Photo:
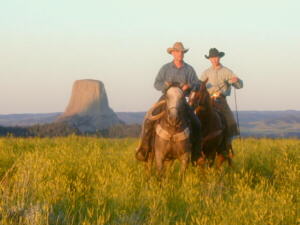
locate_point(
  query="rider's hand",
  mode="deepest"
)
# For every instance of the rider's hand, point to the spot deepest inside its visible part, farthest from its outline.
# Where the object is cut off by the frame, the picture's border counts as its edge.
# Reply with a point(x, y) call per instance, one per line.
point(233, 80)
point(167, 84)
point(185, 87)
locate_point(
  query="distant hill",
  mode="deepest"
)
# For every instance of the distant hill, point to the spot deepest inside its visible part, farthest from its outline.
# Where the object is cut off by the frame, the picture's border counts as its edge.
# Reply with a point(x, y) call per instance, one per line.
point(270, 123)
point(27, 119)
point(252, 123)
point(131, 117)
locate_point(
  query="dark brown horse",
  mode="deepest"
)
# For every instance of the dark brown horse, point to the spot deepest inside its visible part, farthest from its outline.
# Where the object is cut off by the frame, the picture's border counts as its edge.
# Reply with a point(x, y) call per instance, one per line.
point(172, 132)
point(214, 131)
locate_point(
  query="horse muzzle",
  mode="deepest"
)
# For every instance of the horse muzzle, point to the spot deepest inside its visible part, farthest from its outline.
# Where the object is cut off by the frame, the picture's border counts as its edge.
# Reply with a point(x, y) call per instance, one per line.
point(172, 116)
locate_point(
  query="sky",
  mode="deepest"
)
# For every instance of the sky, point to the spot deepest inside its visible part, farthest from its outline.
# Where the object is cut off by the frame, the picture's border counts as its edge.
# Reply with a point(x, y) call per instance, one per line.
point(46, 45)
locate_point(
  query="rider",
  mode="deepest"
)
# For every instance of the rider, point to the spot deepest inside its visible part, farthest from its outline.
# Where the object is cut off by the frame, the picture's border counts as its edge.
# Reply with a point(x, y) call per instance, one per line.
point(219, 81)
point(177, 72)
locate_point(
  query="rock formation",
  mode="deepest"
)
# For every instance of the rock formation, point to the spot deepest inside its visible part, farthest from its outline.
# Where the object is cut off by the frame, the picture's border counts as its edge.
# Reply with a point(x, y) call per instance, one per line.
point(88, 109)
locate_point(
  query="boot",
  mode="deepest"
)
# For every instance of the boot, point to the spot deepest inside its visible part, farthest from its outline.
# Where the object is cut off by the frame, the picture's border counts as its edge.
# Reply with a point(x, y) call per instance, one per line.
point(196, 136)
point(147, 134)
point(144, 146)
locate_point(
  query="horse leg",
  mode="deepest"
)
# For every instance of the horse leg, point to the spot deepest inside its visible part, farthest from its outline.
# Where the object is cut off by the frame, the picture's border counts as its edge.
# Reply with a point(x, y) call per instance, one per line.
point(184, 159)
point(201, 161)
point(211, 156)
point(167, 165)
point(219, 160)
point(159, 158)
point(149, 162)
point(226, 148)
point(230, 155)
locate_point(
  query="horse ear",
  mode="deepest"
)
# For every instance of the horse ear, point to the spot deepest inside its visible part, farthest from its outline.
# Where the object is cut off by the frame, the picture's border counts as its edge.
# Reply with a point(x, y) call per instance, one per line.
point(203, 84)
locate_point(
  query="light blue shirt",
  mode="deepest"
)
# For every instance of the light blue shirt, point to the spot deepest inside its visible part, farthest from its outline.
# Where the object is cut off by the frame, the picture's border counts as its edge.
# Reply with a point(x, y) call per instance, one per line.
point(170, 73)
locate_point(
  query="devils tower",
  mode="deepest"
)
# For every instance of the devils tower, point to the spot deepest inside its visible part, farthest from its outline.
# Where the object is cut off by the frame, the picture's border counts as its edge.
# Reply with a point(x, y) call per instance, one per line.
point(88, 109)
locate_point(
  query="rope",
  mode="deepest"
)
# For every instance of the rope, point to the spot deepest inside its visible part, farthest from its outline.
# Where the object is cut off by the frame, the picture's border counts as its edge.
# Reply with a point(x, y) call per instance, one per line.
point(150, 115)
point(237, 114)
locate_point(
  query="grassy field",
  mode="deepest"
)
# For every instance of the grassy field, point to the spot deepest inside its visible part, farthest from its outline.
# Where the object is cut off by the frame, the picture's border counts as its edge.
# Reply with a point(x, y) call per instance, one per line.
point(81, 180)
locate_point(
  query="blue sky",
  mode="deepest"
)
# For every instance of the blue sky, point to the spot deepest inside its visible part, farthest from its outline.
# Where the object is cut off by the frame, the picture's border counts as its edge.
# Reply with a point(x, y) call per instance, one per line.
point(46, 45)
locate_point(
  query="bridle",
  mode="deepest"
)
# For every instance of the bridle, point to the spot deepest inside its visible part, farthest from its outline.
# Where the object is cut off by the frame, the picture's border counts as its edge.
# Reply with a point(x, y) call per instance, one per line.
point(178, 135)
point(168, 109)
point(197, 100)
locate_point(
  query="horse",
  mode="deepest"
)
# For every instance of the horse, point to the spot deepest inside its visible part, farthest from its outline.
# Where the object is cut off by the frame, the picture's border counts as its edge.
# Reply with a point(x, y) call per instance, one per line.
point(172, 131)
point(214, 146)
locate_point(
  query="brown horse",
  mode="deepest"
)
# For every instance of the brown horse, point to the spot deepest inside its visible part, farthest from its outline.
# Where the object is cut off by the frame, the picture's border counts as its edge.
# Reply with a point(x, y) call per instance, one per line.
point(214, 131)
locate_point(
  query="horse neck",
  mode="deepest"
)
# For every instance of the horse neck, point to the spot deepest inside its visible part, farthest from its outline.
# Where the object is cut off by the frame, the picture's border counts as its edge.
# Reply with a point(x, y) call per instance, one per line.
point(178, 126)
point(206, 115)
point(210, 108)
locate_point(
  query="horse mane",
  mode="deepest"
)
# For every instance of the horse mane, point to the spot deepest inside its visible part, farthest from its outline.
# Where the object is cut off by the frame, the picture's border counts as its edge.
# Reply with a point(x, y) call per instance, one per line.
point(173, 84)
point(203, 93)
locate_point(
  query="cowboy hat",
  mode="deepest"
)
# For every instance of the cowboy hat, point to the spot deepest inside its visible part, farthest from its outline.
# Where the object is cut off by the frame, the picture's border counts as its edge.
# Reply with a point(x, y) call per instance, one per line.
point(178, 46)
point(213, 52)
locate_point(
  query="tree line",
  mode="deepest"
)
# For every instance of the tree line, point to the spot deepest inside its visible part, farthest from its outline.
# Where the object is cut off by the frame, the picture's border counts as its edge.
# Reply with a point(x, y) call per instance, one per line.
point(60, 129)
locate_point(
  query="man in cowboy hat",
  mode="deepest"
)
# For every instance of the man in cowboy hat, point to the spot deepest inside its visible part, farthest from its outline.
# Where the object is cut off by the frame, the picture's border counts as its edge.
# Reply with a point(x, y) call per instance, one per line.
point(177, 72)
point(219, 81)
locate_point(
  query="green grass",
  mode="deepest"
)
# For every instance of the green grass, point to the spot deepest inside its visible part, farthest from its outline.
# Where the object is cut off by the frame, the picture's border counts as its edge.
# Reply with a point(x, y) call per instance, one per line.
point(84, 180)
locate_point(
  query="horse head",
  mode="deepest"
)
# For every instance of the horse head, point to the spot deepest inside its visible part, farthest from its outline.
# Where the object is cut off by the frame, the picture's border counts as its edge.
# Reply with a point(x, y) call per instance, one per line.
point(200, 99)
point(174, 103)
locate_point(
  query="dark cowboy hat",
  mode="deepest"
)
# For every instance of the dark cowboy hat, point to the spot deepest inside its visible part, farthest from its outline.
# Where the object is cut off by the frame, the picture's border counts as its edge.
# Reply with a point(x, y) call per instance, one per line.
point(213, 52)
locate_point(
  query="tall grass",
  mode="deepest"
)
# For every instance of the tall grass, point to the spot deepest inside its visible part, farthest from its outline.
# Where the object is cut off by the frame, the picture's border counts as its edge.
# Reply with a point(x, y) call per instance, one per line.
point(85, 180)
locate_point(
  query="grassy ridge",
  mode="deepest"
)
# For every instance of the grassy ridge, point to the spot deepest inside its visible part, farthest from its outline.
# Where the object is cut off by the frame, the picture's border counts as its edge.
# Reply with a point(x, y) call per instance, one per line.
point(84, 180)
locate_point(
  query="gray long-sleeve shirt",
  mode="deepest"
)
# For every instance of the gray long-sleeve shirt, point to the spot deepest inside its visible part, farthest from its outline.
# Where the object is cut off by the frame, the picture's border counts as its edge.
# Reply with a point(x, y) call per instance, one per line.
point(170, 73)
point(219, 80)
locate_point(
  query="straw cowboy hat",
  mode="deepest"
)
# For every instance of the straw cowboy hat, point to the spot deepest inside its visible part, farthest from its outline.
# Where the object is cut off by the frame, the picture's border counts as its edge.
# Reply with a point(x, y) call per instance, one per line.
point(178, 46)
point(213, 52)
